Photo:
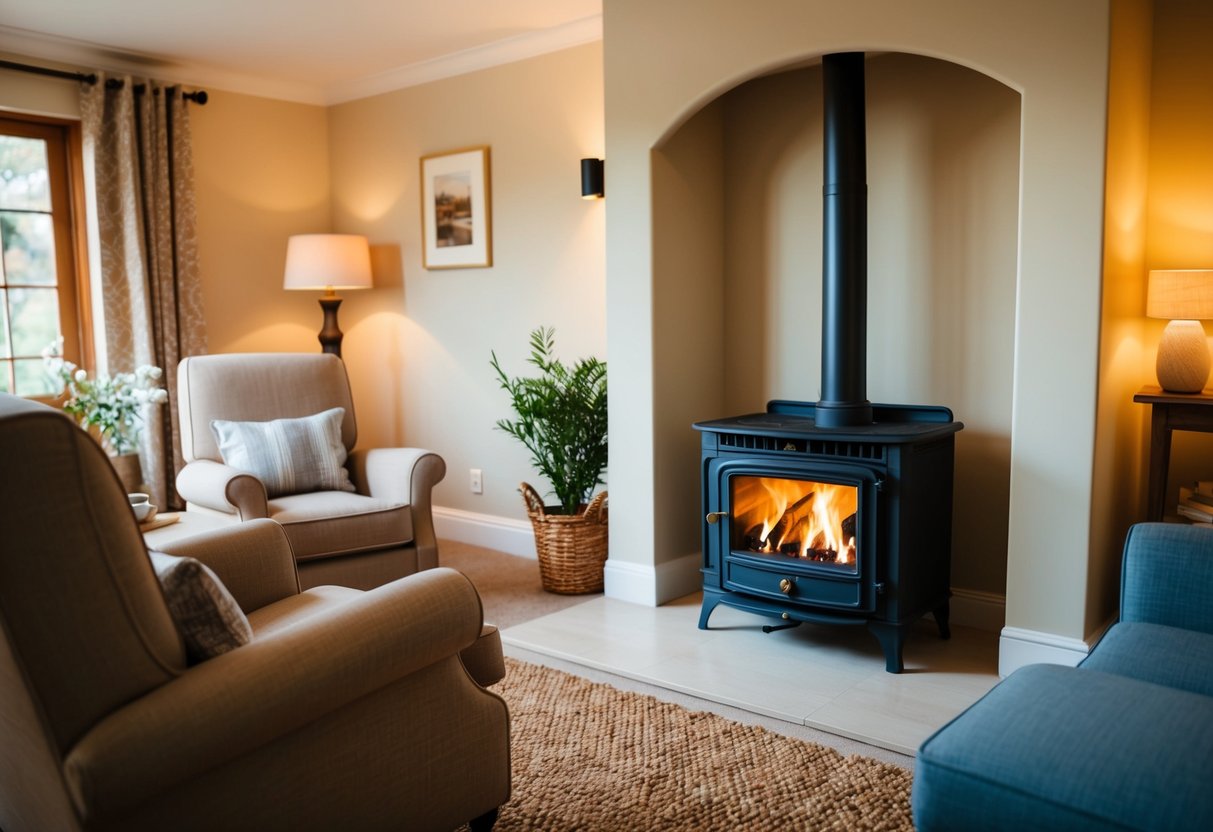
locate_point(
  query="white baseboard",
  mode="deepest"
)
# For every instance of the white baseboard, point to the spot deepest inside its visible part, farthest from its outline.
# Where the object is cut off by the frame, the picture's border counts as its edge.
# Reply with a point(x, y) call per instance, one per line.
point(504, 534)
point(1018, 647)
point(979, 610)
point(650, 585)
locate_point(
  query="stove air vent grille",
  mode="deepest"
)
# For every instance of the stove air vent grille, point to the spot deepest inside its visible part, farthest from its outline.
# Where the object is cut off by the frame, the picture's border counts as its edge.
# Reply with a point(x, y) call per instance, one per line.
point(813, 447)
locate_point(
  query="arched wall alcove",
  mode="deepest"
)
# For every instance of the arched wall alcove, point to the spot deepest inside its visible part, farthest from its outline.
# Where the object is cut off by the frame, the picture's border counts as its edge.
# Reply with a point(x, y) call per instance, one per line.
point(666, 271)
point(943, 182)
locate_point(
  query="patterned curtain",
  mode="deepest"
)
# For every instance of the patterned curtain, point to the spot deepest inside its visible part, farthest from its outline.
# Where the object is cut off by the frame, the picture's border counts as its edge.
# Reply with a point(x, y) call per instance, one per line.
point(140, 183)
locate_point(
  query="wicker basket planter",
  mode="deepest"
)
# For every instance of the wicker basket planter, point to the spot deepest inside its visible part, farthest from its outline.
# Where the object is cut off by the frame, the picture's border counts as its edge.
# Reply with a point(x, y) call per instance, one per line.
point(571, 548)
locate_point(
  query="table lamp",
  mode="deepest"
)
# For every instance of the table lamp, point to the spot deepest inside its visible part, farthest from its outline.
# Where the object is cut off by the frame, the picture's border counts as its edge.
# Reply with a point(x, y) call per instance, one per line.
point(328, 262)
point(1184, 297)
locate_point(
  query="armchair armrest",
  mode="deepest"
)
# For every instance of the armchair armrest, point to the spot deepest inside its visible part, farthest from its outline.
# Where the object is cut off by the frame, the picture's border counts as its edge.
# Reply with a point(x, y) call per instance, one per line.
point(1167, 576)
point(220, 487)
point(253, 560)
point(254, 695)
point(403, 475)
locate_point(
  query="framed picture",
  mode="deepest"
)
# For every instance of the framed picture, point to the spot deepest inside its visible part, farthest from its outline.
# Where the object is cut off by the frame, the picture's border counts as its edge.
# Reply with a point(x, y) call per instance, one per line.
point(456, 226)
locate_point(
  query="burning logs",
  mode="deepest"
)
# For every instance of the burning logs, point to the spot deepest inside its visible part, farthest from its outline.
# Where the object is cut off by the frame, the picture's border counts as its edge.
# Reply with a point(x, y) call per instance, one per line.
point(792, 517)
point(783, 536)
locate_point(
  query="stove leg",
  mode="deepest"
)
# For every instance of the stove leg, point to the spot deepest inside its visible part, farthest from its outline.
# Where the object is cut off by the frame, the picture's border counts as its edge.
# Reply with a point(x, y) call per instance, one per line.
point(710, 599)
point(892, 638)
point(941, 619)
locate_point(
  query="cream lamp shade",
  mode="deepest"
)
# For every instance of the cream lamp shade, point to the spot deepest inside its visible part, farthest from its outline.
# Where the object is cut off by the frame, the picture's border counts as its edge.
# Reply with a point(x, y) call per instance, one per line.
point(1185, 298)
point(328, 262)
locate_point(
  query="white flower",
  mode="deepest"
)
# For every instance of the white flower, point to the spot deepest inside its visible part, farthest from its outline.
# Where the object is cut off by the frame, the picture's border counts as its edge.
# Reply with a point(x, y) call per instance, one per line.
point(111, 408)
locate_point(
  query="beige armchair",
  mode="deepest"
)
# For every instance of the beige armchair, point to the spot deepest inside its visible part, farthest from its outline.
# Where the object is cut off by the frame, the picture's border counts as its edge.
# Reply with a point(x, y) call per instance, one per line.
point(347, 710)
point(381, 531)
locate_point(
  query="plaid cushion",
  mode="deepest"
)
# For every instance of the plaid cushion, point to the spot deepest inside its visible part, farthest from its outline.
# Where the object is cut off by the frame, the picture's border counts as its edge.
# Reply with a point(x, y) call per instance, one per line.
point(207, 616)
point(290, 456)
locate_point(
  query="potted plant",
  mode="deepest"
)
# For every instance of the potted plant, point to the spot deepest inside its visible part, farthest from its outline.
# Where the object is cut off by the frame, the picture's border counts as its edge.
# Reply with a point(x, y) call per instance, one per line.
point(561, 418)
point(110, 408)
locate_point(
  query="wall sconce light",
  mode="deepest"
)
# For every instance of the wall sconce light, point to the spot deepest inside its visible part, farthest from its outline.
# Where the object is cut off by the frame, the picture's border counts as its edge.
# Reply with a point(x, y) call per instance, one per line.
point(1184, 297)
point(592, 179)
point(328, 262)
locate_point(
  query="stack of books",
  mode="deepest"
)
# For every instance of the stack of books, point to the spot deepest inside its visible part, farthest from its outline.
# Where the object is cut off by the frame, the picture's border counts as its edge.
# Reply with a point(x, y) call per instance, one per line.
point(1196, 503)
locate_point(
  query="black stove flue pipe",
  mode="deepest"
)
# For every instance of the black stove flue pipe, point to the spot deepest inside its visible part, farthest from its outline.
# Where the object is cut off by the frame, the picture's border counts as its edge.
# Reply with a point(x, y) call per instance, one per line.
point(844, 314)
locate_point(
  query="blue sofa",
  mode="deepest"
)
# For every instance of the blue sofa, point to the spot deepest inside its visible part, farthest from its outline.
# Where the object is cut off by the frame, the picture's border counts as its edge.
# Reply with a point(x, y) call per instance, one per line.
point(1123, 741)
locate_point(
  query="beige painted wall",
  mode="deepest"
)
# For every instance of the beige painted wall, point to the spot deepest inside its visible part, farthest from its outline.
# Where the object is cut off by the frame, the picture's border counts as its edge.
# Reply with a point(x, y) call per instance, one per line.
point(1056, 56)
point(688, 251)
point(943, 182)
point(1180, 208)
point(418, 345)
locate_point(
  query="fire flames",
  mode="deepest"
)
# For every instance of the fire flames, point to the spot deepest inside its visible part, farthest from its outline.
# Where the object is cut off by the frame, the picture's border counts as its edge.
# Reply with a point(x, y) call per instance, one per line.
point(798, 518)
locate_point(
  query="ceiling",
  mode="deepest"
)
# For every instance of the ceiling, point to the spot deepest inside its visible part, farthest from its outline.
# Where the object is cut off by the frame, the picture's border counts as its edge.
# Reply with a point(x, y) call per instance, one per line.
point(315, 51)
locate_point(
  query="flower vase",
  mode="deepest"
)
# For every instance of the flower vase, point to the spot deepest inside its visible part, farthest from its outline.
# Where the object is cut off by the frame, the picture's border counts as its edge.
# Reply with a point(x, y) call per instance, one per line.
point(129, 471)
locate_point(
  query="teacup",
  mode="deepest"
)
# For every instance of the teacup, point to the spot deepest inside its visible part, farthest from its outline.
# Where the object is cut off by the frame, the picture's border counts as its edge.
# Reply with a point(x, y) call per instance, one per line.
point(141, 505)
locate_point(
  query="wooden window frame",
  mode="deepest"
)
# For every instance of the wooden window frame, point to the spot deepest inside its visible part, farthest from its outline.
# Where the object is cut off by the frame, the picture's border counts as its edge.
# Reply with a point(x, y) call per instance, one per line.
point(65, 161)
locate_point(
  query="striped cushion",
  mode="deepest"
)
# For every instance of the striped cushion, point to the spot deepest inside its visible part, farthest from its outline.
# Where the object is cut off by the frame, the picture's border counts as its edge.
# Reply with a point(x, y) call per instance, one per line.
point(290, 456)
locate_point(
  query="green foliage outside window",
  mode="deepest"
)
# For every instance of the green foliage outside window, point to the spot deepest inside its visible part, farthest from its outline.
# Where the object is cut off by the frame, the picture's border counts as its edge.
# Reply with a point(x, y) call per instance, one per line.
point(29, 295)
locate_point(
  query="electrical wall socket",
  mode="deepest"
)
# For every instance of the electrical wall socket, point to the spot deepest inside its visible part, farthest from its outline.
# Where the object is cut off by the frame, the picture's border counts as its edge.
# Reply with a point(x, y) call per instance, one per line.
point(477, 481)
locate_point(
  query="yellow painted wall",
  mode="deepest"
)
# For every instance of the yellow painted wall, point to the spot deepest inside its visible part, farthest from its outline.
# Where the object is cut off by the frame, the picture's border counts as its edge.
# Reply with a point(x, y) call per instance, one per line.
point(261, 174)
point(1180, 204)
point(1126, 362)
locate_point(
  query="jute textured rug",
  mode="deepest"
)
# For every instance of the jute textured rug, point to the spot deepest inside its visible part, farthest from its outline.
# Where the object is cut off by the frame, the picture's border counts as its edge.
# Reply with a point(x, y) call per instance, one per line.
point(589, 757)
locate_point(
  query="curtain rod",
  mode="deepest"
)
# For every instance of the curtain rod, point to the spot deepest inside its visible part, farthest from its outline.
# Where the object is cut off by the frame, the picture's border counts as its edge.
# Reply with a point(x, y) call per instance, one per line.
point(197, 96)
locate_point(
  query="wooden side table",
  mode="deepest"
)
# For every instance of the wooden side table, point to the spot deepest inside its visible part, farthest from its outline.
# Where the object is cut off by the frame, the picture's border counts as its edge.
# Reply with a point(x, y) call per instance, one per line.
point(189, 523)
point(1170, 411)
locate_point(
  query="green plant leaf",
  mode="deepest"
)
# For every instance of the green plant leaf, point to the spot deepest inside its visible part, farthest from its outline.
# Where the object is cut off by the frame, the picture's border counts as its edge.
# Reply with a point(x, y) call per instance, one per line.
point(561, 418)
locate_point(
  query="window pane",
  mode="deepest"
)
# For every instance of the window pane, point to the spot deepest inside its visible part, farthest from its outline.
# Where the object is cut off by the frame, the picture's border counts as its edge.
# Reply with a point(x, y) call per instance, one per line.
point(24, 178)
point(29, 248)
point(32, 379)
point(5, 368)
point(4, 347)
point(35, 317)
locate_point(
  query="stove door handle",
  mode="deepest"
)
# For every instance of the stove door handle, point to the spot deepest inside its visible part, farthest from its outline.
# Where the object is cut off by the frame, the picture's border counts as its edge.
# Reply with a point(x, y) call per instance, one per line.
point(715, 517)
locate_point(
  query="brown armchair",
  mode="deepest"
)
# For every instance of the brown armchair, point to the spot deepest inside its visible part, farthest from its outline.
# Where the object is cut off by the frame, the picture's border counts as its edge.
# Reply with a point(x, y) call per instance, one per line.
point(347, 709)
point(381, 531)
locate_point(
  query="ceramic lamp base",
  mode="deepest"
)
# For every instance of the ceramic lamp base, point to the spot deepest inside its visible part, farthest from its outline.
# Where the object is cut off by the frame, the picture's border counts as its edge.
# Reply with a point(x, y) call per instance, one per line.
point(1183, 358)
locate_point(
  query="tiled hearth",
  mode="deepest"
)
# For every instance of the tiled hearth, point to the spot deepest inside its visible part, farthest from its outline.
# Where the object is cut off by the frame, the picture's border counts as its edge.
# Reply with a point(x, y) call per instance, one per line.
point(829, 678)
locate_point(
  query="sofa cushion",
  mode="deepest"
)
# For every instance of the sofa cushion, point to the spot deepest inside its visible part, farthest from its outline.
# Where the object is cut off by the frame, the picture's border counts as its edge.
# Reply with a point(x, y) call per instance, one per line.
point(327, 523)
point(289, 456)
point(1156, 653)
point(1063, 748)
point(207, 616)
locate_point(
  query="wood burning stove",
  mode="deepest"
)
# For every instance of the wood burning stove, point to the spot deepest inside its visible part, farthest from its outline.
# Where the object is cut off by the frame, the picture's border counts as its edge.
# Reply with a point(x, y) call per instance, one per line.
point(835, 526)
point(839, 511)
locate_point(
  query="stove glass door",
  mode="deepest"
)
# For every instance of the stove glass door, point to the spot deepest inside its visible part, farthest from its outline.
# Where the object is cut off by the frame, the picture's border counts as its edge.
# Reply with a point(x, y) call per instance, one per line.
point(789, 518)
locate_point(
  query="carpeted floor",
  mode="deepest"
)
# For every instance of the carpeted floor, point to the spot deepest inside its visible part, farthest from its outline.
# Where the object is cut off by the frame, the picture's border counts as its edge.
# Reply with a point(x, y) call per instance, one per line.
point(586, 756)
point(509, 586)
